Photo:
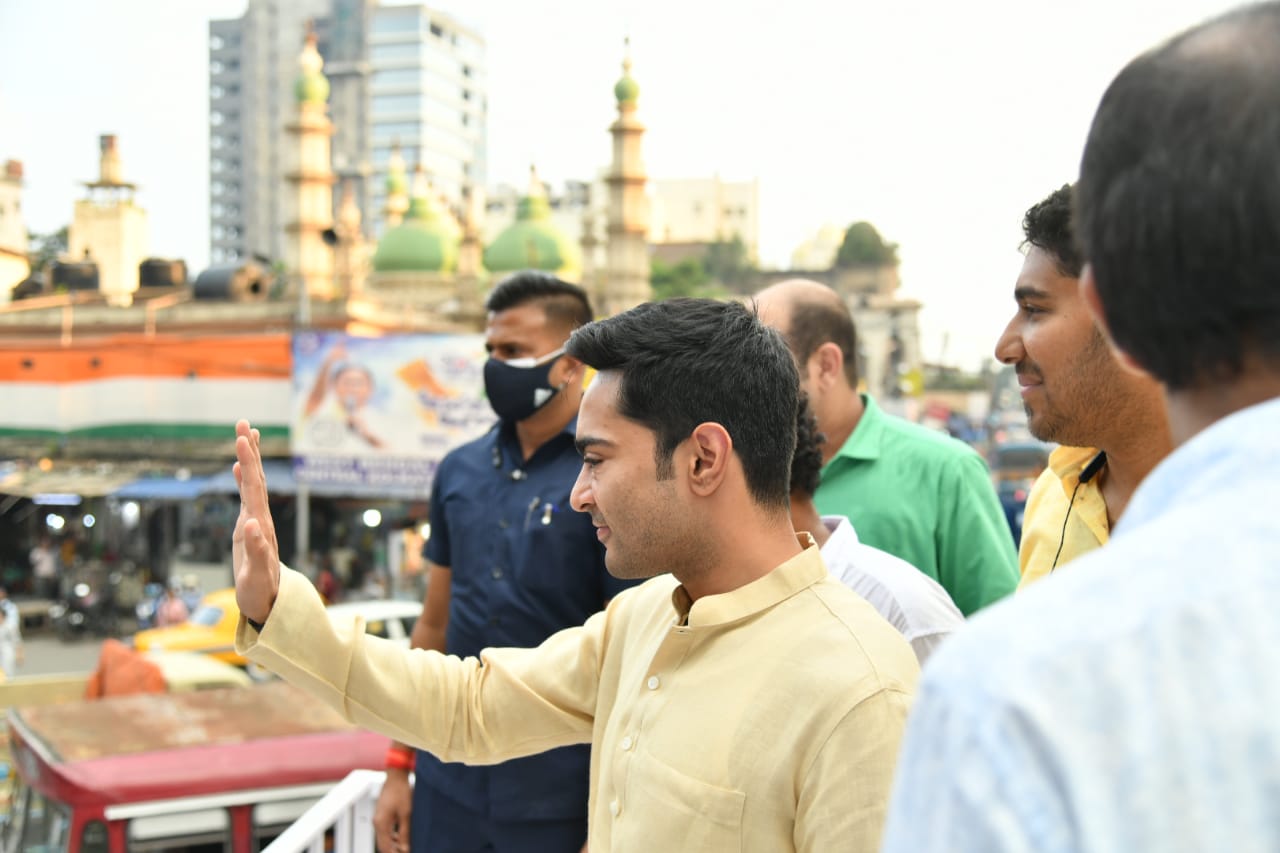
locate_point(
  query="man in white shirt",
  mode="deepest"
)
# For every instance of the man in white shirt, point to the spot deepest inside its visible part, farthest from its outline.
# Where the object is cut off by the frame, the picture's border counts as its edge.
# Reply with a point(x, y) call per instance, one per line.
point(1131, 704)
point(910, 600)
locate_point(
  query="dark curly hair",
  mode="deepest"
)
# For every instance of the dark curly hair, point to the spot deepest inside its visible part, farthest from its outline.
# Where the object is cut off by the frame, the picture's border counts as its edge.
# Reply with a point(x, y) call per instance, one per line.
point(1047, 226)
point(806, 463)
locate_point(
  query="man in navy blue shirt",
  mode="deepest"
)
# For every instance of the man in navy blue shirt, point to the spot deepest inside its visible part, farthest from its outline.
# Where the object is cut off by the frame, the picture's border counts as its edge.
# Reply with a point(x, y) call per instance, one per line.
point(509, 564)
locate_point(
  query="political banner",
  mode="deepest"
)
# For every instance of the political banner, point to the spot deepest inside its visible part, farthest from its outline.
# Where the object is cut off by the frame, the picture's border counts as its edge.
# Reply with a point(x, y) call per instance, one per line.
point(378, 414)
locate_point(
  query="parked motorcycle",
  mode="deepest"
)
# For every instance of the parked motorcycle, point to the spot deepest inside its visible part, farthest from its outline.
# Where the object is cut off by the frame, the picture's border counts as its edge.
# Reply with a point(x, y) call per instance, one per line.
point(87, 611)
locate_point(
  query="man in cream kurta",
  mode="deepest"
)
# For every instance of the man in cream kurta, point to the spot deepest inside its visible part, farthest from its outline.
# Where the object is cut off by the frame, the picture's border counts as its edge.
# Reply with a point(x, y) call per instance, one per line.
point(725, 733)
point(745, 702)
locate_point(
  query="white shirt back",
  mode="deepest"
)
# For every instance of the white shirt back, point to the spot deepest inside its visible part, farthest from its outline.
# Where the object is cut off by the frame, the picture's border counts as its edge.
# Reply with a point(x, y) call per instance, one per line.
point(910, 600)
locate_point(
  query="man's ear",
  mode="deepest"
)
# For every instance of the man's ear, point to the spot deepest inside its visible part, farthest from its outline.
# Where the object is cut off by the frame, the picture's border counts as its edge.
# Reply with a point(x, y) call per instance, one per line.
point(709, 449)
point(1089, 293)
point(573, 372)
point(826, 366)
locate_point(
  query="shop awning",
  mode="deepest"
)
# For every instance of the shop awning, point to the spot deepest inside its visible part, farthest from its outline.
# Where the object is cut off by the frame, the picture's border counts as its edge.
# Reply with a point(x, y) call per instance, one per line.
point(279, 473)
point(162, 489)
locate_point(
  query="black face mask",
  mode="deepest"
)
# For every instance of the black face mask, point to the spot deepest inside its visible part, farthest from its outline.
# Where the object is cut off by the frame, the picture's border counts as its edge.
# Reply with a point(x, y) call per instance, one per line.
point(518, 388)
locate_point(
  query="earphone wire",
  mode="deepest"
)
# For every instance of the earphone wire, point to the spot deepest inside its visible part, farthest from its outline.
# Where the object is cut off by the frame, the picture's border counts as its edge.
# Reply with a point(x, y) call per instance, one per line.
point(1087, 474)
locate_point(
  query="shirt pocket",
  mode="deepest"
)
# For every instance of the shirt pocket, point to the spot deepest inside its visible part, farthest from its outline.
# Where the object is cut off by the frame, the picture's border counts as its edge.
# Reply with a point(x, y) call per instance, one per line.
point(558, 550)
point(670, 810)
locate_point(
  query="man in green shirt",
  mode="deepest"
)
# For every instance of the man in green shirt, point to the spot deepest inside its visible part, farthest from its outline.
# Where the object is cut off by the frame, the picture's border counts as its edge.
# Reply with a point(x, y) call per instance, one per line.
point(916, 493)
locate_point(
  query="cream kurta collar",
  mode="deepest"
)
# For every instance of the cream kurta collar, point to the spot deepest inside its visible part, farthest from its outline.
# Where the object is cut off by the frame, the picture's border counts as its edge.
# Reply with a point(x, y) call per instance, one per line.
point(800, 572)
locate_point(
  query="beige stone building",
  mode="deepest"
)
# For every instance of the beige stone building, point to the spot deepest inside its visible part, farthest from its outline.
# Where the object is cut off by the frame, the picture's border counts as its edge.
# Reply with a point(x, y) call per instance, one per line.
point(14, 267)
point(109, 228)
point(706, 210)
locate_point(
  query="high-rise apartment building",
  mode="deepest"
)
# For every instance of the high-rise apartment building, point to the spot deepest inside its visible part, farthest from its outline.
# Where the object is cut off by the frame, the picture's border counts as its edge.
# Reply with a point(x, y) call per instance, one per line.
point(428, 92)
point(396, 72)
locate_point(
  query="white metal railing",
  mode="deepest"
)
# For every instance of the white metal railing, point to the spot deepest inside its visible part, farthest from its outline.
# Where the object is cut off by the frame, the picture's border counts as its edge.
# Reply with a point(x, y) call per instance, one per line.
point(347, 810)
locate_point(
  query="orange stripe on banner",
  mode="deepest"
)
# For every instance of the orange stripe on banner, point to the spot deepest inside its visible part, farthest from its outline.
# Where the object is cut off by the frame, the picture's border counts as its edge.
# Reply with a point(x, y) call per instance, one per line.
point(264, 356)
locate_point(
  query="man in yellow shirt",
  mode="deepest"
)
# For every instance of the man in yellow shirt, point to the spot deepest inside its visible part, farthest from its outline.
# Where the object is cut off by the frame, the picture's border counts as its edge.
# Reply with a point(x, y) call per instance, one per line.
point(746, 701)
point(1110, 421)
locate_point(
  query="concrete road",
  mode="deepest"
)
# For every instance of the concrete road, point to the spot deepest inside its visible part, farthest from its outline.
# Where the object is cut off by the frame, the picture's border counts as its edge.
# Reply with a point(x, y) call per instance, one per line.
point(46, 654)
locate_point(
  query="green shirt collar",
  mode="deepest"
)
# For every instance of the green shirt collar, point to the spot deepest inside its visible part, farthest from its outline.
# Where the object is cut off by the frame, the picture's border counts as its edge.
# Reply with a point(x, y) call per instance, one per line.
point(864, 441)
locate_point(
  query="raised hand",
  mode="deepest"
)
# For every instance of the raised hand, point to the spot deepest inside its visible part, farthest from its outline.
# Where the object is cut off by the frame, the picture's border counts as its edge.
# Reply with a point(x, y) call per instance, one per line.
point(255, 553)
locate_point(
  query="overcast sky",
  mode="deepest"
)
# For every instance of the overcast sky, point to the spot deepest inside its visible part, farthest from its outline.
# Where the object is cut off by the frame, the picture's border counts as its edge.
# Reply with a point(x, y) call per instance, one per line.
point(940, 122)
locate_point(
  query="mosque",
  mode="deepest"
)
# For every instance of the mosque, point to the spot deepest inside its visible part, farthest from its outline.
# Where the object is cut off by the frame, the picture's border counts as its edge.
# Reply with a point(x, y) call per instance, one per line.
point(430, 269)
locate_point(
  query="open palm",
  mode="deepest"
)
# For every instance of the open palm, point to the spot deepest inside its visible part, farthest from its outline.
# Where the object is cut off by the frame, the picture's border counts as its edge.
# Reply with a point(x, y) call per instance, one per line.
point(255, 552)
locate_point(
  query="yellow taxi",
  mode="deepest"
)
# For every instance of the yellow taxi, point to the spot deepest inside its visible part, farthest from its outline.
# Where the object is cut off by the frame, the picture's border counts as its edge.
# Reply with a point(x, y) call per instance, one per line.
point(210, 630)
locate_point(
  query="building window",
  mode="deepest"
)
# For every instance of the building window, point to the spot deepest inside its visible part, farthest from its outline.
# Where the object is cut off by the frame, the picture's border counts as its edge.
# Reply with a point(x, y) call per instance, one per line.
point(386, 22)
point(216, 67)
point(391, 104)
point(217, 43)
point(393, 52)
point(393, 129)
point(436, 30)
point(397, 77)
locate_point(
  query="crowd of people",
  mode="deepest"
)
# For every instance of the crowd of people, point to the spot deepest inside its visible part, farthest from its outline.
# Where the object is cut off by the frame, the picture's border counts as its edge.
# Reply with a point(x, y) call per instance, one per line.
point(684, 606)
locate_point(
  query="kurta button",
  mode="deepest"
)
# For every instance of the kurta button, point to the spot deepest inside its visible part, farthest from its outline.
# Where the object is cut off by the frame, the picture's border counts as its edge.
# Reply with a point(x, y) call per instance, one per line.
point(497, 572)
point(614, 808)
point(503, 523)
point(626, 743)
point(653, 682)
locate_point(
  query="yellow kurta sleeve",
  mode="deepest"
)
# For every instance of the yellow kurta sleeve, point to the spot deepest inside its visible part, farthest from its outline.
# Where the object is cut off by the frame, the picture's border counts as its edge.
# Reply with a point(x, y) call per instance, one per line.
point(505, 704)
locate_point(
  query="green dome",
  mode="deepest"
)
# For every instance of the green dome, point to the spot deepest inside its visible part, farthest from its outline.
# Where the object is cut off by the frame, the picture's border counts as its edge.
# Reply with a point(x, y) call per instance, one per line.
point(397, 179)
point(397, 182)
point(532, 242)
point(626, 90)
point(311, 87)
point(425, 242)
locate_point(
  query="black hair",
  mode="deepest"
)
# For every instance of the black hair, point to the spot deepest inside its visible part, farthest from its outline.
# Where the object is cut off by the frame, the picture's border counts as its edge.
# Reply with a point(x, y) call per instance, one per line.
point(1178, 203)
point(565, 304)
point(816, 322)
point(806, 462)
point(1047, 226)
point(684, 362)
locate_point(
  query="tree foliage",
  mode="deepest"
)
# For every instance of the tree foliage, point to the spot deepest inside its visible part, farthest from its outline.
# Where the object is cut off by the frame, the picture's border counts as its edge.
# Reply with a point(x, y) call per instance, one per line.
point(44, 249)
point(728, 263)
point(863, 246)
point(686, 278)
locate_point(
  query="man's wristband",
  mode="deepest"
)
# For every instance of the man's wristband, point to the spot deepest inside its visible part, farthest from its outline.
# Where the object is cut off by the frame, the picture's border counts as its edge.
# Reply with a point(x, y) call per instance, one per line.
point(257, 626)
point(399, 758)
